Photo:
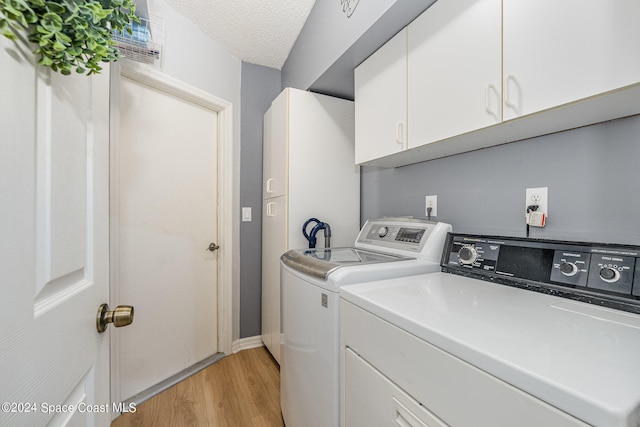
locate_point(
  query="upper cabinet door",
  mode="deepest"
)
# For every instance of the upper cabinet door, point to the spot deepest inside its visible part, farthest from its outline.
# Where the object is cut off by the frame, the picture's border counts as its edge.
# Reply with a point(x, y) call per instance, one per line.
point(454, 70)
point(559, 52)
point(381, 103)
point(275, 148)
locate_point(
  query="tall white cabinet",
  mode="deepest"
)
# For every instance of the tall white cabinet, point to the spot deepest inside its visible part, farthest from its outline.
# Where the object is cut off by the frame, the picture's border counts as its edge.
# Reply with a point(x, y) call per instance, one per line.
point(308, 171)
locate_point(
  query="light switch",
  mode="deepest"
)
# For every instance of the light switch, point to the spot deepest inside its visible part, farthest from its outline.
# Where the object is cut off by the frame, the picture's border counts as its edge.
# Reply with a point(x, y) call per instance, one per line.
point(246, 214)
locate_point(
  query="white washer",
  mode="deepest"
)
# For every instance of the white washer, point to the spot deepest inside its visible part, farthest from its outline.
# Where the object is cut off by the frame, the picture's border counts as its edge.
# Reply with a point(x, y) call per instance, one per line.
point(465, 349)
point(385, 248)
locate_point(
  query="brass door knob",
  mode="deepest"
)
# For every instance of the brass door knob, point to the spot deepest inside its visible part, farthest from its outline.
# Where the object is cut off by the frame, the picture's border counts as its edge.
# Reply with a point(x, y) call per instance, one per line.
point(122, 315)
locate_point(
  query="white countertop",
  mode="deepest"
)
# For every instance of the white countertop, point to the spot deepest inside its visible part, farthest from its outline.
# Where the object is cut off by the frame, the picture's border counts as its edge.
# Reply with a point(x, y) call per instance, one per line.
point(578, 357)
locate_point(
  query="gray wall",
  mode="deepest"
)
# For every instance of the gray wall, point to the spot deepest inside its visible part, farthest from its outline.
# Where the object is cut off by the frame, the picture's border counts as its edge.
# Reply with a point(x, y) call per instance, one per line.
point(592, 174)
point(326, 35)
point(331, 43)
point(260, 85)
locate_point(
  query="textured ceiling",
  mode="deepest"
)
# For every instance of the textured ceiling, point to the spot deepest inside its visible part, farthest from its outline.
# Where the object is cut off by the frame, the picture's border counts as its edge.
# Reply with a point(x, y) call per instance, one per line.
point(257, 31)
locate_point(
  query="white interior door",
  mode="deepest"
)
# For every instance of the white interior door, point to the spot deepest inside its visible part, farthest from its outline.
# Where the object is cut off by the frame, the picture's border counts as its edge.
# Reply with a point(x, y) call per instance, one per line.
point(166, 199)
point(54, 192)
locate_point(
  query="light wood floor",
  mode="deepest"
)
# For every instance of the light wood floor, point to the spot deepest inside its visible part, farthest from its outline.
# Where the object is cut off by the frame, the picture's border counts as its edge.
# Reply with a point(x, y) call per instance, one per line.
point(242, 389)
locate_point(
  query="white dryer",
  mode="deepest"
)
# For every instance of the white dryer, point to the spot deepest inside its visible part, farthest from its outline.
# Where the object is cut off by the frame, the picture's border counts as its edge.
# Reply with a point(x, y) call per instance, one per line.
point(513, 331)
point(310, 282)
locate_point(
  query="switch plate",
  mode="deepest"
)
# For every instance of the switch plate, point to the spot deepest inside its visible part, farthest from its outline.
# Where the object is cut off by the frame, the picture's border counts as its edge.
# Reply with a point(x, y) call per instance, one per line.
point(246, 214)
point(538, 196)
point(431, 202)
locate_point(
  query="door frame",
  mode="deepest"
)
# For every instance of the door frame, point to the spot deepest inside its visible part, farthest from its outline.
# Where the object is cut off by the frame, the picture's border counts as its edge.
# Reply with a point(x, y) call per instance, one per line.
point(154, 78)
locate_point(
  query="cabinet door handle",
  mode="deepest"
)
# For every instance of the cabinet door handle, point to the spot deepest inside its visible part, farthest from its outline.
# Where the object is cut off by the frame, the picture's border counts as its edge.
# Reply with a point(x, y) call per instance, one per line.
point(400, 132)
point(271, 209)
point(487, 100)
point(270, 185)
point(507, 96)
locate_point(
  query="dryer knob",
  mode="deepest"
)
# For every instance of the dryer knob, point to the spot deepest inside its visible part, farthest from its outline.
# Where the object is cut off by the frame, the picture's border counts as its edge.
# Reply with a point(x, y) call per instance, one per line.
point(467, 255)
point(383, 231)
point(568, 269)
point(609, 275)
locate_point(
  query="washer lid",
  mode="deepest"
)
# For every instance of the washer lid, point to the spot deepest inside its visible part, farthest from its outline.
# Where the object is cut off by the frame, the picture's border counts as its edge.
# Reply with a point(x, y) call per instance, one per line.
point(321, 262)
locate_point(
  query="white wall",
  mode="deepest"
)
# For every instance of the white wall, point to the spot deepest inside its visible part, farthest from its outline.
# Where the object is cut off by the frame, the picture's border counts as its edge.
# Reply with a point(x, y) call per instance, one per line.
point(195, 58)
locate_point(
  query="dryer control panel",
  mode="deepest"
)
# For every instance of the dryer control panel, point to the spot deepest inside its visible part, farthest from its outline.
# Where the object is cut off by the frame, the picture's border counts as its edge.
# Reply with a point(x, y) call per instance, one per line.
point(605, 274)
point(404, 236)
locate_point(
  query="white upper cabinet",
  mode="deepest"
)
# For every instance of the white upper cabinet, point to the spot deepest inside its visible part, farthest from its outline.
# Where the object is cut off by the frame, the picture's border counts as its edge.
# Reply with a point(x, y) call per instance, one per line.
point(559, 52)
point(485, 72)
point(454, 70)
point(381, 107)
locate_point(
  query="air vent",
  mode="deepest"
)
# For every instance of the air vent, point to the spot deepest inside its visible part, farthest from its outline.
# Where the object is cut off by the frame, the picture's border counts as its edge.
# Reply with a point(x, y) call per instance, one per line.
point(145, 42)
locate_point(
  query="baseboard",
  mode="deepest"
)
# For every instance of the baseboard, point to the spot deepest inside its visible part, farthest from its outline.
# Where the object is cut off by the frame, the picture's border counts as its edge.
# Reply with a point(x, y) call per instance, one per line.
point(147, 394)
point(246, 343)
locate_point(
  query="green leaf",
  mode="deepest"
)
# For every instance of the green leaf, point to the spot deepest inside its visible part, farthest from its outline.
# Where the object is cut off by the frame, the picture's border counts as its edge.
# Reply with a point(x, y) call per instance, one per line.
point(58, 47)
point(51, 22)
point(9, 34)
point(55, 7)
point(45, 60)
point(8, 9)
point(5, 30)
point(15, 15)
point(28, 12)
point(63, 38)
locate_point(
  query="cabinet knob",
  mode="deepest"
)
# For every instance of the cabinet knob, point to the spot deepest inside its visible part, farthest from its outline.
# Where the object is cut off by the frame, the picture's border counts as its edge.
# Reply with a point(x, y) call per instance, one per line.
point(490, 88)
point(270, 185)
point(400, 133)
point(509, 81)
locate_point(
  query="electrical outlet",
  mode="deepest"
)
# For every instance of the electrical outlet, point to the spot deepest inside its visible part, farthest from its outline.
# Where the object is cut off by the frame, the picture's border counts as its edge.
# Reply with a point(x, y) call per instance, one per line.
point(431, 202)
point(538, 196)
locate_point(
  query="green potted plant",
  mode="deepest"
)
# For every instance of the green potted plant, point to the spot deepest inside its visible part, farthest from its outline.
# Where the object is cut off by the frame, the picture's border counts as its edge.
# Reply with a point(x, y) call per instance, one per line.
point(69, 34)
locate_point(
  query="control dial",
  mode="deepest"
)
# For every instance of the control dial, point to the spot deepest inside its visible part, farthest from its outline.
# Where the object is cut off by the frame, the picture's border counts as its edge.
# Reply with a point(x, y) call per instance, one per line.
point(609, 275)
point(568, 269)
point(383, 231)
point(467, 255)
